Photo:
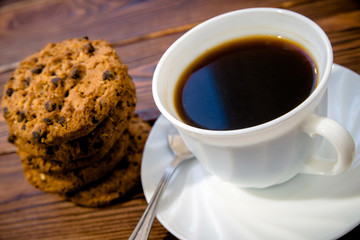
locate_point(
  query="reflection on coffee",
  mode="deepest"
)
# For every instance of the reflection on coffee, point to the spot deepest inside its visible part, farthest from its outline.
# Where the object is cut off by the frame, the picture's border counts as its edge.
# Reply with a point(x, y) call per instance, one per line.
point(244, 83)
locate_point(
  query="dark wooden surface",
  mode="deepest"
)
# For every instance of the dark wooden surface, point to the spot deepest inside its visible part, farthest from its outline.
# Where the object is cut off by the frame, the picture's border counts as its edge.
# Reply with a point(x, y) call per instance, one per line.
point(141, 31)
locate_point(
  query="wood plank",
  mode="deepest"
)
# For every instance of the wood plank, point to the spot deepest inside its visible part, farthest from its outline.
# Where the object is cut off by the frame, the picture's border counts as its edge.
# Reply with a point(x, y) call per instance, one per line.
point(112, 20)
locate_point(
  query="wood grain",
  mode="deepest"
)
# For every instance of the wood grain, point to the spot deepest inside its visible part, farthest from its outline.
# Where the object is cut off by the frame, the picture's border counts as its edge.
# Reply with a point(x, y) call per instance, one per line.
point(140, 31)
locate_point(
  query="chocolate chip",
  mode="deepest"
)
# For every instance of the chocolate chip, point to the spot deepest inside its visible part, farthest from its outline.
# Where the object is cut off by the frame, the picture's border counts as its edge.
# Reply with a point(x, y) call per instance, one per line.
point(66, 94)
point(89, 48)
point(44, 135)
point(36, 135)
point(108, 75)
point(75, 73)
point(61, 120)
point(119, 104)
point(55, 81)
point(38, 69)
point(86, 37)
point(9, 92)
point(94, 120)
point(49, 152)
point(11, 138)
point(27, 81)
point(50, 106)
point(23, 127)
point(22, 116)
point(48, 121)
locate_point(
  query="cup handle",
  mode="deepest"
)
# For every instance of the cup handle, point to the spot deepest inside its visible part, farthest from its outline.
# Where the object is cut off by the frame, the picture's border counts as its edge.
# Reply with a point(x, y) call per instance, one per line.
point(338, 136)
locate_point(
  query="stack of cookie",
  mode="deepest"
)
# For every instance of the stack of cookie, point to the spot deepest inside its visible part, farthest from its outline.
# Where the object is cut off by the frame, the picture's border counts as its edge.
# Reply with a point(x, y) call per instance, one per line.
point(70, 110)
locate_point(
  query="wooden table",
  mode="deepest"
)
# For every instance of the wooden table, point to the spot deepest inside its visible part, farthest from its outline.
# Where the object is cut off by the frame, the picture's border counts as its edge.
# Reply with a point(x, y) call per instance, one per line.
point(140, 31)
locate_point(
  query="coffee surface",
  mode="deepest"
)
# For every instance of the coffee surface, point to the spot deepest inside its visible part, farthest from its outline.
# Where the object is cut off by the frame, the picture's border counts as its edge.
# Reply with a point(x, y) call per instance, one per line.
point(244, 83)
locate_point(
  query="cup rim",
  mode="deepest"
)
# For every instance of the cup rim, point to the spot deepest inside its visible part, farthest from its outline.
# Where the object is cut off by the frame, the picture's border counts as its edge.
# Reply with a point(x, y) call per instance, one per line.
point(257, 128)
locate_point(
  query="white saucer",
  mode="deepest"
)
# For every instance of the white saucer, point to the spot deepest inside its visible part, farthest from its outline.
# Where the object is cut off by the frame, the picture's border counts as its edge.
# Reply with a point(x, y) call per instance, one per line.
point(197, 205)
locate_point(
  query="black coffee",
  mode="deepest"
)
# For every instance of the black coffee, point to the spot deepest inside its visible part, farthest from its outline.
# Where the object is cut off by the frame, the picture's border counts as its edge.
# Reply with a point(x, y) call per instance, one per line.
point(244, 83)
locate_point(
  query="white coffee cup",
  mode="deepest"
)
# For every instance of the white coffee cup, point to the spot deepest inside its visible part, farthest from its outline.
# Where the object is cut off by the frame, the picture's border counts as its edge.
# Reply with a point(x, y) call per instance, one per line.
point(269, 153)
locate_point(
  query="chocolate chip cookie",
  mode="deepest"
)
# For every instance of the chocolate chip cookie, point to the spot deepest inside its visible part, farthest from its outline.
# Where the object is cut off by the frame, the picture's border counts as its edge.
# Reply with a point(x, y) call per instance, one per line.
point(71, 181)
point(64, 91)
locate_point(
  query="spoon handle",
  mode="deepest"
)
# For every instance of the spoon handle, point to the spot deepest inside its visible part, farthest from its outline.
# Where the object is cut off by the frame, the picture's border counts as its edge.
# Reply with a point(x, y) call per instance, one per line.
point(143, 227)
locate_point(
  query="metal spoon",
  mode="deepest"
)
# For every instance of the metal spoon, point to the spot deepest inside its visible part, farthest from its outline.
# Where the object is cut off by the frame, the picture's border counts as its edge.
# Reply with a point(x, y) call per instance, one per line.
point(181, 153)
